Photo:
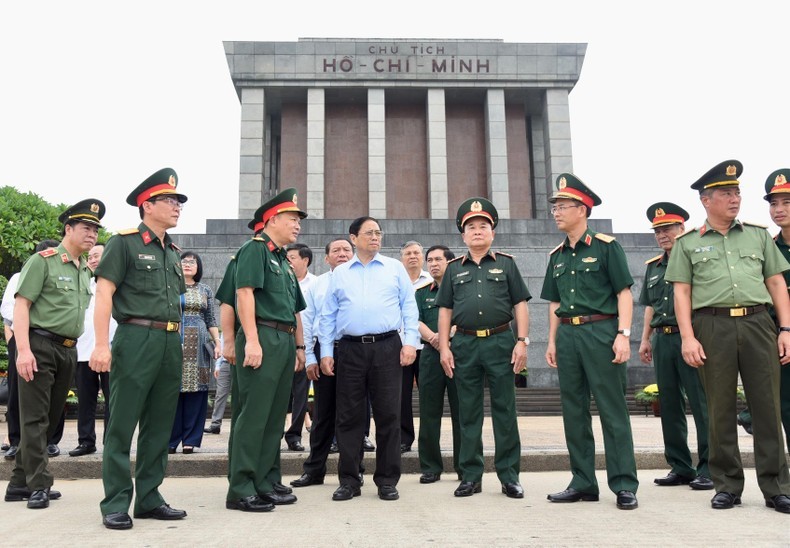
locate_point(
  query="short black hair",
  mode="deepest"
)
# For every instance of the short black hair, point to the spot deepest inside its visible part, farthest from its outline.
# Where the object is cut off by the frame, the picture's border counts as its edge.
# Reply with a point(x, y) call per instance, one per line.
point(357, 223)
point(199, 270)
point(333, 240)
point(304, 251)
point(449, 255)
point(45, 244)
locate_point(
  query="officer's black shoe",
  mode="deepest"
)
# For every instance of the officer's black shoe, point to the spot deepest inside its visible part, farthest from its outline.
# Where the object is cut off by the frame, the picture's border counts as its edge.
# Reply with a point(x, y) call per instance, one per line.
point(117, 520)
point(253, 503)
point(53, 450)
point(626, 500)
point(163, 512)
point(405, 448)
point(724, 501)
point(780, 503)
point(5, 447)
point(213, 429)
point(468, 488)
point(276, 498)
point(39, 499)
point(746, 426)
point(308, 479)
point(430, 477)
point(295, 446)
point(673, 479)
point(572, 495)
point(82, 449)
point(334, 448)
point(18, 494)
point(346, 492)
point(388, 492)
point(367, 445)
point(513, 490)
point(281, 489)
point(701, 483)
point(11, 453)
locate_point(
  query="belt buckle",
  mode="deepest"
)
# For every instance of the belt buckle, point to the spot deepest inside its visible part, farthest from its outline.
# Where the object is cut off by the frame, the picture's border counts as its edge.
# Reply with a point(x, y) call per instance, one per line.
point(291, 329)
point(172, 326)
point(576, 320)
point(69, 343)
point(667, 330)
point(481, 333)
point(737, 312)
point(368, 339)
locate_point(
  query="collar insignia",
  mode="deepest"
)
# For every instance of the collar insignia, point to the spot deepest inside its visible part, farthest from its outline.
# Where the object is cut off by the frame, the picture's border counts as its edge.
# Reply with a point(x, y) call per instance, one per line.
point(64, 257)
point(588, 239)
point(146, 237)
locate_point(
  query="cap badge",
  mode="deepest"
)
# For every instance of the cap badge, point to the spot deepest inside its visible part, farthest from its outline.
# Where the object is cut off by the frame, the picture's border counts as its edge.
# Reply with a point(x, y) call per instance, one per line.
point(660, 212)
point(731, 170)
point(563, 183)
point(294, 199)
point(94, 208)
point(476, 207)
point(172, 181)
point(780, 180)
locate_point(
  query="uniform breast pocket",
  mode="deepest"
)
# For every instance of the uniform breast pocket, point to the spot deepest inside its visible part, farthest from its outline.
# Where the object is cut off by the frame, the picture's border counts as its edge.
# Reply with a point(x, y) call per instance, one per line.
point(66, 285)
point(589, 274)
point(462, 287)
point(150, 273)
point(751, 263)
point(654, 289)
point(276, 279)
point(497, 284)
point(707, 266)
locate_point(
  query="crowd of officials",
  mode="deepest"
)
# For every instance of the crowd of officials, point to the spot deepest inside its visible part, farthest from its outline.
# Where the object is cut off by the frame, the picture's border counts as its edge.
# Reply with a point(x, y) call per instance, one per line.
point(716, 310)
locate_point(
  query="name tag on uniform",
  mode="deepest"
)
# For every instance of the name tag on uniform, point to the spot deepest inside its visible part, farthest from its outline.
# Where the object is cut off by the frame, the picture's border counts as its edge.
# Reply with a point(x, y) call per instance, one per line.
point(590, 260)
point(653, 278)
point(65, 279)
point(559, 265)
point(460, 274)
point(430, 300)
point(144, 257)
point(703, 249)
point(275, 263)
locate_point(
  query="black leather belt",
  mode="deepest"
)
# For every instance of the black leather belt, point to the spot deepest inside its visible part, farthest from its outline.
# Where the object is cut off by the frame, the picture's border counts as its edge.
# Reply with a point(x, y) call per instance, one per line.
point(667, 329)
point(731, 312)
point(484, 332)
point(64, 341)
point(581, 320)
point(284, 327)
point(368, 339)
point(167, 326)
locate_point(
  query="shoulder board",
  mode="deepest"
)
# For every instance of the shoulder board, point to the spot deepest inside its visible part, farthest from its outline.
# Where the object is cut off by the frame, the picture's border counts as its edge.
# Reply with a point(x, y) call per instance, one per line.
point(426, 284)
point(553, 251)
point(48, 252)
point(503, 254)
point(258, 239)
point(457, 258)
point(604, 237)
point(689, 231)
point(128, 231)
point(654, 259)
point(175, 247)
point(233, 257)
point(747, 223)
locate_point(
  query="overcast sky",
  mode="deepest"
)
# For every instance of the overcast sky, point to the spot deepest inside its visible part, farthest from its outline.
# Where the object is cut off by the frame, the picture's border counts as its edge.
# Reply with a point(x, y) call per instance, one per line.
point(94, 98)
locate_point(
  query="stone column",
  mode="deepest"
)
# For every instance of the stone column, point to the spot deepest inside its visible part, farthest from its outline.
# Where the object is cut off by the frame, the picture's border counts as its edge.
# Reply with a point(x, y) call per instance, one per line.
point(377, 150)
point(437, 155)
point(496, 151)
point(315, 152)
point(251, 170)
point(556, 136)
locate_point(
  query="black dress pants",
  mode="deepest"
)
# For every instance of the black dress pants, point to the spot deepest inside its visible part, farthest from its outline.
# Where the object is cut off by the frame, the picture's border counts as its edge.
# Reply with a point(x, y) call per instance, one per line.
point(410, 374)
point(88, 384)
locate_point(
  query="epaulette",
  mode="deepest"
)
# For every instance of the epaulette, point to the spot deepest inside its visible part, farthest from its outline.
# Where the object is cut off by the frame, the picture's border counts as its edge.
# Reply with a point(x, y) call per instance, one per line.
point(747, 223)
point(455, 259)
point(553, 251)
point(128, 231)
point(503, 254)
point(604, 237)
point(175, 247)
point(49, 252)
point(258, 239)
point(426, 284)
point(654, 259)
point(689, 231)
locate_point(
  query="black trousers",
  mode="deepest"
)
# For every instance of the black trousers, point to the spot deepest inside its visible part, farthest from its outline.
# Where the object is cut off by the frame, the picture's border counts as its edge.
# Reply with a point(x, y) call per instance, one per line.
point(410, 374)
point(88, 384)
point(298, 407)
point(375, 369)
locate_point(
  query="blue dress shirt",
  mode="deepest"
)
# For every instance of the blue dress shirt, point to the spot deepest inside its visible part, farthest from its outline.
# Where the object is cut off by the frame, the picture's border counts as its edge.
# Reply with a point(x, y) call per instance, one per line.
point(314, 297)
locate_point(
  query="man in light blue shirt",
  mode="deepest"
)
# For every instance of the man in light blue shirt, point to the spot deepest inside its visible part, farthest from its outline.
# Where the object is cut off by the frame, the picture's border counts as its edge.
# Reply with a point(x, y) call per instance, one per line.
point(368, 300)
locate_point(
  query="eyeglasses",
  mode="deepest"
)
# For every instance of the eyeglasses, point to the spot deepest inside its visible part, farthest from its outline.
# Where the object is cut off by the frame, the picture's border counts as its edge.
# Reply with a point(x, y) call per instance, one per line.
point(189, 262)
point(172, 202)
point(371, 233)
point(561, 209)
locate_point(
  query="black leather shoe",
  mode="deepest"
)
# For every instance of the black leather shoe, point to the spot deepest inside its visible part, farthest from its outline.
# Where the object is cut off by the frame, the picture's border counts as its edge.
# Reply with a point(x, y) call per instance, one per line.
point(117, 520)
point(11, 453)
point(746, 426)
point(39, 499)
point(346, 492)
point(253, 503)
point(308, 479)
point(295, 446)
point(780, 503)
point(626, 500)
point(171, 450)
point(430, 477)
point(276, 498)
point(673, 479)
point(367, 445)
point(724, 501)
point(513, 490)
point(701, 483)
point(162, 512)
point(18, 494)
point(405, 448)
point(53, 450)
point(572, 495)
point(334, 448)
point(388, 492)
point(468, 488)
point(281, 489)
point(82, 449)
point(213, 429)
point(5, 447)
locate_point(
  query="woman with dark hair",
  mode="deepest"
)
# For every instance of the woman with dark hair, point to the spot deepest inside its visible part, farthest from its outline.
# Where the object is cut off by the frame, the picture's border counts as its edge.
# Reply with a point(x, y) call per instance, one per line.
point(200, 339)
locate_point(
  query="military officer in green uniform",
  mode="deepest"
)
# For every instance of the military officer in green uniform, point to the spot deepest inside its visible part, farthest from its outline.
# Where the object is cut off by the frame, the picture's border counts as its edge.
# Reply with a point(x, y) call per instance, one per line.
point(588, 287)
point(433, 382)
point(725, 274)
point(139, 281)
point(480, 294)
point(268, 343)
point(661, 345)
point(49, 313)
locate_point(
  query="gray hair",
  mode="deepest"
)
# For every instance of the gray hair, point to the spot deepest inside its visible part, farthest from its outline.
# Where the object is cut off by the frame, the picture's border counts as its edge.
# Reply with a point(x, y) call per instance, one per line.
point(409, 244)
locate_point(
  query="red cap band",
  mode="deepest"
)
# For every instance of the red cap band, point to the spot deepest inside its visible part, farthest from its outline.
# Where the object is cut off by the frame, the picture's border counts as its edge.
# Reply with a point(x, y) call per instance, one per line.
point(153, 191)
point(279, 208)
point(476, 214)
point(667, 219)
point(574, 194)
point(258, 227)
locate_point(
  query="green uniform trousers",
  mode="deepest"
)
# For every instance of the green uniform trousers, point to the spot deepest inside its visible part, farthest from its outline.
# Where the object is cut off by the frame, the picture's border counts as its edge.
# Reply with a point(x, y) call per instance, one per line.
point(41, 403)
point(145, 378)
point(478, 359)
point(263, 394)
point(784, 394)
point(676, 378)
point(745, 345)
point(432, 385)
point(584, 359)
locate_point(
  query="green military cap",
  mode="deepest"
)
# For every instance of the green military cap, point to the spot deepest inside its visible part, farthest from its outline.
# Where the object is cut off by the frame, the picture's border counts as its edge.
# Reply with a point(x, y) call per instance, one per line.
point(776, 183)
point(476, 207)
point(572, 188)
point(724, 174)
point(161, 183)
point(666, 213)
point(283, 202)
point(88, 211)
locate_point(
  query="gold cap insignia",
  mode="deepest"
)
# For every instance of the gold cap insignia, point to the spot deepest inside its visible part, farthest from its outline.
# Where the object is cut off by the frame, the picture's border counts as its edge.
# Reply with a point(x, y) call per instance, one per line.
point(660, 212)
point(731, 171)
point(563, 183)
point(172, 181)
point(294, 199)
point(94, 208)
point(476, 207)
point(780, 180)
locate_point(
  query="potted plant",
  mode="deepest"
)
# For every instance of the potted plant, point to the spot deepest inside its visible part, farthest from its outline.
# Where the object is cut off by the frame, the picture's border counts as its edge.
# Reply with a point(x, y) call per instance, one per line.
point(648, 396)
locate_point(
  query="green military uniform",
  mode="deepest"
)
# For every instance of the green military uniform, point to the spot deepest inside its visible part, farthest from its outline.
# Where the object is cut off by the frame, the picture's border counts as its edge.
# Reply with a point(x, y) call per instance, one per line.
point(585, 280)
point(675, 378)
point(433, 383)
point(784, 384)
point(727, 275)
point(145, 374)
point(261, 398)
point(482, 297)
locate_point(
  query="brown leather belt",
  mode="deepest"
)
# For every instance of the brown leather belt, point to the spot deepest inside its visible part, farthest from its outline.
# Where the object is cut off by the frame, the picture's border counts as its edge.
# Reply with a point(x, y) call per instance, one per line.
point(581, 320)
point(63, 341)
point(667, 329)
point(731, 312)
point(284, 327)
point(368, 339)
point(167, 326)
point(484, 332)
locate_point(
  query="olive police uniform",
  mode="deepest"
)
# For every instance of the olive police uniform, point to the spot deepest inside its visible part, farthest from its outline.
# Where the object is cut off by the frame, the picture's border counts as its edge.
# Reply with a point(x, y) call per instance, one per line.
point(585, 281)
point(145, 375)
point(675, 378)
point(433, 383)
point(60, 293)
point(727, 275)
point(482, 297)
point(263, 392)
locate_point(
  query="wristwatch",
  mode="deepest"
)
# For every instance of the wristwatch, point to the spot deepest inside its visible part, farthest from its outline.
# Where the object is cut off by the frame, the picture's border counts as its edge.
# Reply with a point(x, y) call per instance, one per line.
point(525, 340)
point(784, 329)
point(301, 347)
point(624, 332)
